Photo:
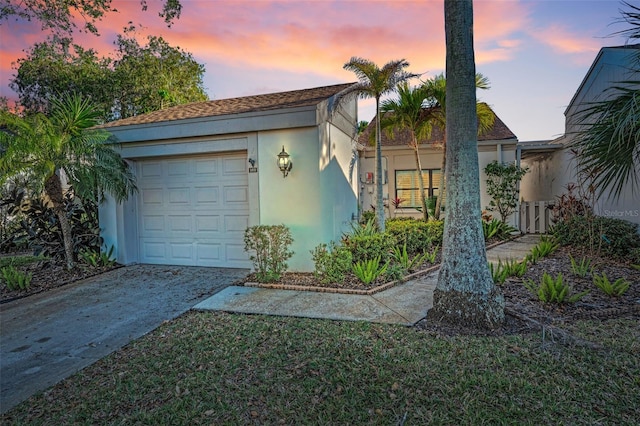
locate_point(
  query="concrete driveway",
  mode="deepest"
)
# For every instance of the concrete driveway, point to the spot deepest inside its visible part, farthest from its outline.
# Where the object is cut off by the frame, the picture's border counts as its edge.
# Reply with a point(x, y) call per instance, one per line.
point(47, 337)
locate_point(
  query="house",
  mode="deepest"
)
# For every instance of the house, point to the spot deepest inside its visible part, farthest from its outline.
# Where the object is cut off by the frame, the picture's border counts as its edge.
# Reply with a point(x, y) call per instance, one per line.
point(206, 171)
point(399, 166)
point(552, 164)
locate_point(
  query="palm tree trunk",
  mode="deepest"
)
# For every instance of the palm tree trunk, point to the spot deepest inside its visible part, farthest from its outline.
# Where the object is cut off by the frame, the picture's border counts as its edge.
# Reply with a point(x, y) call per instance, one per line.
point(443, 181)
point(465, 293)
point(423, 198)
point(53, 189)
point(379, 194)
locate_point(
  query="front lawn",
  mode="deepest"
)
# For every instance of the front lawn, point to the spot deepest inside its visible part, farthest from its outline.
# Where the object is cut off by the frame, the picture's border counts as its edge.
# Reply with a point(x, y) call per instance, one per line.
point(219, 368)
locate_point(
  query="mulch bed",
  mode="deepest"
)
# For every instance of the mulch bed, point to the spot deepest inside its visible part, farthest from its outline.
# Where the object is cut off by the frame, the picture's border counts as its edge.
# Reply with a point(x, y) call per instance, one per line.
point(520, 302)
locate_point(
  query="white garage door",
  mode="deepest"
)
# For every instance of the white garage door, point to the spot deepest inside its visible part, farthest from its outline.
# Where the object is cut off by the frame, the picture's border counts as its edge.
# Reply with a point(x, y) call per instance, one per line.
point(193, 210)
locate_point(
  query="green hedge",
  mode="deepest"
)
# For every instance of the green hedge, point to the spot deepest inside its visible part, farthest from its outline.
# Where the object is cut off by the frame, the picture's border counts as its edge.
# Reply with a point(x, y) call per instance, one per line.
point(610, 236)
point(419, 235)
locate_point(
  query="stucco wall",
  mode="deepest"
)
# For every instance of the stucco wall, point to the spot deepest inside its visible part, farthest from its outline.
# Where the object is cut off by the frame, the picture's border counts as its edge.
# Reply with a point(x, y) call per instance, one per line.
point(316, 200)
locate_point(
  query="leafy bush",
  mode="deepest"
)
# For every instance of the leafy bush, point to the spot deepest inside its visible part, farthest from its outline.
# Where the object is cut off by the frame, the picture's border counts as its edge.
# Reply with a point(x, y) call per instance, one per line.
point(418, 235)
point(368, 216)
point(331, 262)
point(369, 270)
point(394, 272)
point(613, 289)
point(601, 235)
point(502, 187)
point(270, 244)
point(40, 228)
point(553, 290)
point(14, 278)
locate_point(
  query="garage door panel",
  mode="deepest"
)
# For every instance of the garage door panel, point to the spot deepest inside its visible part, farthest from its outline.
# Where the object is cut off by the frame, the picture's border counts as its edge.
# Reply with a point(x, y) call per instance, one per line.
point(234, 166)
point(236, 194)
point(207, 195)
point(194, 211)
point(206, 168)
point(235, 224)
point(150, 169)
point(207, 223)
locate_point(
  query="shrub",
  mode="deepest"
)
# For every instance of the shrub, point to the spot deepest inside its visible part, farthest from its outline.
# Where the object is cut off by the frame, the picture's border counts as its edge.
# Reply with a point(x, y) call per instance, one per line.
point(498, 273)
point(600, 235)
point(553, 290)
point(613, 289)
point(270, 244)
point(502, 187)
point(331, 262)
point(369, 270)
point(544, 248)
point(15, 279)
point(40, 229)
point(418, 235)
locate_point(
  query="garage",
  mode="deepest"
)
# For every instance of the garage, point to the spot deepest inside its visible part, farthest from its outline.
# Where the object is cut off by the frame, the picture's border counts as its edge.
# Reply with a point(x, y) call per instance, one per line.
point(193, 210)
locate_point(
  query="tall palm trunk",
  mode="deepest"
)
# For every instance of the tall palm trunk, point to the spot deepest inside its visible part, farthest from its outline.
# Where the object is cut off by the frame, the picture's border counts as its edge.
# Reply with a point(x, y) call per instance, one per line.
point(53, 189)
point(465, 292)
point(443, 180)
point(379, 191)
point(423, 198)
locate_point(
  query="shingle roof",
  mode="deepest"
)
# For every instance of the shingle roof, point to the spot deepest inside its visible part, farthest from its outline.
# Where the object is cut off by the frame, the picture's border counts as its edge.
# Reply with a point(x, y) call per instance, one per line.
point(266, 102)
point(499, 131)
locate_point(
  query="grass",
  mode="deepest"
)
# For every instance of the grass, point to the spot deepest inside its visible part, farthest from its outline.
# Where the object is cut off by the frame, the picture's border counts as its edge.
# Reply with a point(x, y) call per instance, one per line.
point(224, 369)
point(19, 260)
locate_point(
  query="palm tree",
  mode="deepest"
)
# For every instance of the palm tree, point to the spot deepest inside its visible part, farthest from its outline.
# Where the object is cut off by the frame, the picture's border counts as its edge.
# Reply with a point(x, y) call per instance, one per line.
point(407, 113)
point(608, 142)
point(374, 82)
point(465, 293)
point(44, 148)
point(436, 89)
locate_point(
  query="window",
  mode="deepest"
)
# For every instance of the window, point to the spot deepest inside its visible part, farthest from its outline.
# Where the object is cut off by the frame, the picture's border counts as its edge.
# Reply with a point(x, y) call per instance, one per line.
point(407, 186)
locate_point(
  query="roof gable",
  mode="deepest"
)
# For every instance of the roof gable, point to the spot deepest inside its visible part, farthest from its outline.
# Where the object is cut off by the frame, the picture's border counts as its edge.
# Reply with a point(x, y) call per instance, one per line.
point(220, 107)
point(498, 132)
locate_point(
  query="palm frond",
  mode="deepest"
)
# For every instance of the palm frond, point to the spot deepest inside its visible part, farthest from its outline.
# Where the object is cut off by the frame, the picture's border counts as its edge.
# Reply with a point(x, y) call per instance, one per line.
point(608, 140)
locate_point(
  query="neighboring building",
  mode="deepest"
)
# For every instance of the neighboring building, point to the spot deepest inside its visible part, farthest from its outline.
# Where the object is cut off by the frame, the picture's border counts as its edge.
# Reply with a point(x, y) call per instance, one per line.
point(399, 166)
point(552, 164)
point(206, 171)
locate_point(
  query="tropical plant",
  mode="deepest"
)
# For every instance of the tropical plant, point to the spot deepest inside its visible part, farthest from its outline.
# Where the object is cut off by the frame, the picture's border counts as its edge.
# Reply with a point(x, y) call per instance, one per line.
point(97, 258)
point(607, 141)
point(544, 248)
point(498, 272)
point(613, 289)
point(64, 143)
point(408, 263)
point(374, 82)
point(435, 102)
point(369, 270)
point(465, 292)
point(553, 290)
point(496, 228)
point(14, 278)
point(502, 187)
point(581, 268)
point(270, 247)
point(407, 113)
point(418, 235)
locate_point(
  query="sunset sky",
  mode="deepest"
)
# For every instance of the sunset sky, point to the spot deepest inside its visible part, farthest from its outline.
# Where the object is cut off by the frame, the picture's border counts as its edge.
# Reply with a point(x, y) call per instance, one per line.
point(534, 52)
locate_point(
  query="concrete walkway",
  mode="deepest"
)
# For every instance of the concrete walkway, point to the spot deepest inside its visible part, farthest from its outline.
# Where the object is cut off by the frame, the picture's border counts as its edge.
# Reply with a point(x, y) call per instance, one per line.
point(404, 304)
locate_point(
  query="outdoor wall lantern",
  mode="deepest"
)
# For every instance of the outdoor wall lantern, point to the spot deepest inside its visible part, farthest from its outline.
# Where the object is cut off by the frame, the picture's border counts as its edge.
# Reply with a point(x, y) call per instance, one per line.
point(284, 162)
